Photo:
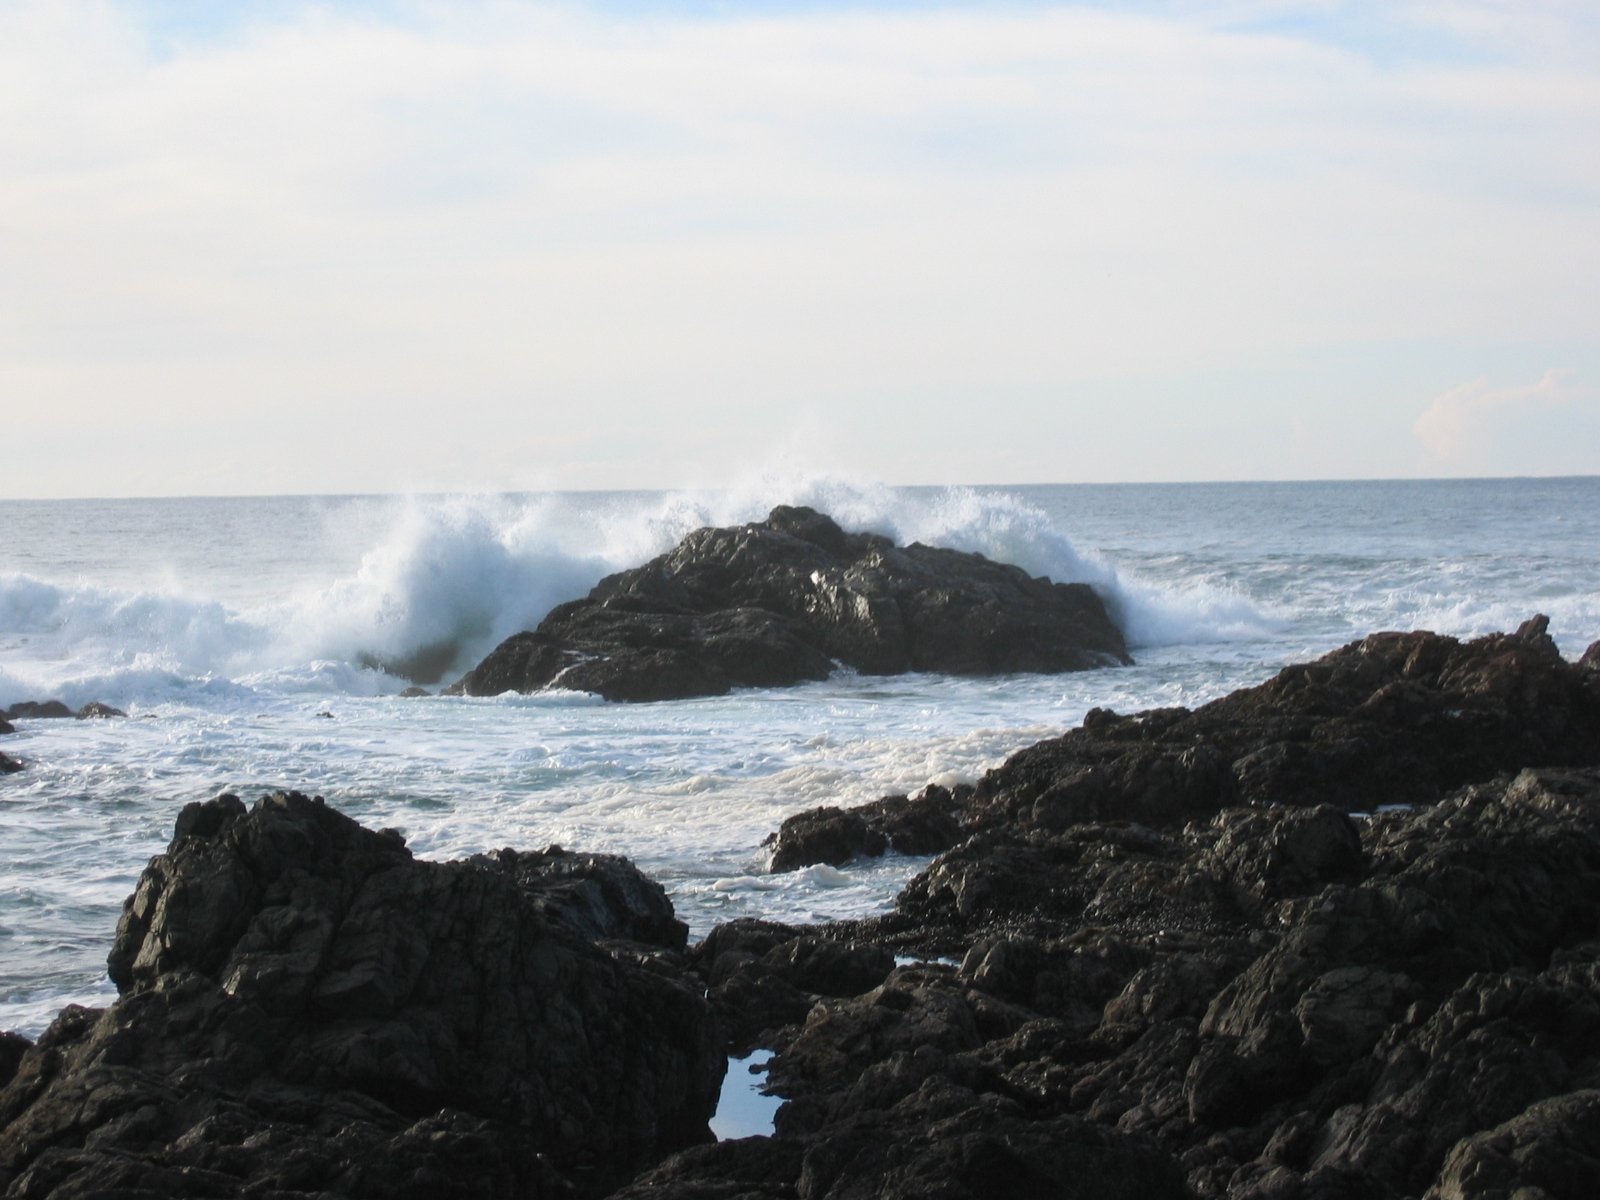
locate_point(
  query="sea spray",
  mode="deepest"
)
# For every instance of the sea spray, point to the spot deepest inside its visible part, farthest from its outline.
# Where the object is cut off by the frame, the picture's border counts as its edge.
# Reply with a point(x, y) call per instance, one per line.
point(228, 627)
point(443, 579)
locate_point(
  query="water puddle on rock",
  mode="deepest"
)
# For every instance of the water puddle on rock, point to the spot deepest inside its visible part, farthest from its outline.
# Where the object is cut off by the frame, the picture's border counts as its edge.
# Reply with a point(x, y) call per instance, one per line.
point(742, 1109)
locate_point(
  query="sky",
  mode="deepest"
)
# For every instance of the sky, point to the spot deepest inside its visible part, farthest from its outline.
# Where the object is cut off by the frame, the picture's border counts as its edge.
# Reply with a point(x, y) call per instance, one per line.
point(382, 247)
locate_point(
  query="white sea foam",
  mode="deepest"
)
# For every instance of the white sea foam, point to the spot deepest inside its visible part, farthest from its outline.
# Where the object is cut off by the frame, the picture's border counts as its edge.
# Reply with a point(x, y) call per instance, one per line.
point(226, 651)
point(447, 578)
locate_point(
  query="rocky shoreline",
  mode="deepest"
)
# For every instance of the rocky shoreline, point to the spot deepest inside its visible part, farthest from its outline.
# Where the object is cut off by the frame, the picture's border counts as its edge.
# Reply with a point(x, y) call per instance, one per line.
point(1336, 937)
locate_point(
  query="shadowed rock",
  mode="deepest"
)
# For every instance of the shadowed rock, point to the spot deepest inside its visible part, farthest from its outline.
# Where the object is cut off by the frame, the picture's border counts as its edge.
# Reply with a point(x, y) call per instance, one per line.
point(1397, 718)
point(1319, 940)
point(305, 1008)
point(787, 599)
point(924, 824)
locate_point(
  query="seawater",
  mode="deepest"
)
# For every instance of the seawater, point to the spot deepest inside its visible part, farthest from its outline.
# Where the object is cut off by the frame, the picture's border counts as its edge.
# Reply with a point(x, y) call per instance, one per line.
point(242, 636)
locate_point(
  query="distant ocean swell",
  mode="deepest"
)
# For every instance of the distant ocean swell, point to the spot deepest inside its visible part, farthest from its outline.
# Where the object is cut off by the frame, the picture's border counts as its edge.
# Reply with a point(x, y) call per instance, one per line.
point(448, 578)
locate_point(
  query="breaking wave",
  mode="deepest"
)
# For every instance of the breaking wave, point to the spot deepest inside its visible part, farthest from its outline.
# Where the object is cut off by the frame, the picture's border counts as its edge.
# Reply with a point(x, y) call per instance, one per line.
point(444, 579)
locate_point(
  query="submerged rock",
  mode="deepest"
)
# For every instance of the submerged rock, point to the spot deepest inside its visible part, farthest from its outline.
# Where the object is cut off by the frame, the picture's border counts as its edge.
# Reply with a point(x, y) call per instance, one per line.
point(787, 599)
point(307, 1009)
point(8, 765)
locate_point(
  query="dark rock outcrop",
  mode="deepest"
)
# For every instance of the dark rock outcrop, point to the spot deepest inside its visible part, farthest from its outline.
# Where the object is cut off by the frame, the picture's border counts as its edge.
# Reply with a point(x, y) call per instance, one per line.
point(95, 710)
point(1319, 940)
point(6, 726)
point(923, 824)
point(1397, 718)
point(783, 601)
point(307, 1010)
point(9, 765)
point(1279, 1003)
point(36, 710)
point(1394, 719)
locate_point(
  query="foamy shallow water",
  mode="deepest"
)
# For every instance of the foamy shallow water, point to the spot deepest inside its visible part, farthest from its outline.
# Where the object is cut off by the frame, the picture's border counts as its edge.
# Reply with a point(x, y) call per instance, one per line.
point(226, 628)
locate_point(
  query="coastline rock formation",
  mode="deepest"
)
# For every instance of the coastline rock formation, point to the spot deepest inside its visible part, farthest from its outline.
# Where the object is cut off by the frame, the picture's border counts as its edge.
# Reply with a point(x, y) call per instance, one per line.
point(306, 1009)
point(1336, 937)
point(785, 600)
point(1171, 941)
point(1396, 718)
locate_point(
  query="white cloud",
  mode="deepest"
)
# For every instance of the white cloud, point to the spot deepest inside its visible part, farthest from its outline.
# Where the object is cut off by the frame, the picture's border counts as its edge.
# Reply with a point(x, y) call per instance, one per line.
point(1458, 424)
point(551, 222)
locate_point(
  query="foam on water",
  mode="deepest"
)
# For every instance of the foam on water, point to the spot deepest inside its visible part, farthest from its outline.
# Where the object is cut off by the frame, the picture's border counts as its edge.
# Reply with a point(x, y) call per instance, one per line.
point(226, 651)
point(447, 578)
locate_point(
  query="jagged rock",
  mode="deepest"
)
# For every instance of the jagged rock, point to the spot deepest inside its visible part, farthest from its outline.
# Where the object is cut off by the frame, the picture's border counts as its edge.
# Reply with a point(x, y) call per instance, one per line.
point(783, 601)
point(36, 710)
point(924, 824)
point(1551, 1151)
point(1397, 718)
point(8, 765)
point(305, 1008)
point(763, 975)
point(95, 710)
point(1591, 657)
point(1286, 1002)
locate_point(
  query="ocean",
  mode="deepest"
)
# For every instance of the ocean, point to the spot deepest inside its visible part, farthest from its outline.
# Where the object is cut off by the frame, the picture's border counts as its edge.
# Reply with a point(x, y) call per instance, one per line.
point(242, 635)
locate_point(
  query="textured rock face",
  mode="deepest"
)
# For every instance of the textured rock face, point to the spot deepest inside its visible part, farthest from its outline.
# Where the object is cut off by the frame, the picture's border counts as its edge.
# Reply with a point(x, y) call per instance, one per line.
point(1273, 1004)
point(782, 601)
point(923, 824)
point(307, 1009)
point(1397, 718)
point(1319, 940)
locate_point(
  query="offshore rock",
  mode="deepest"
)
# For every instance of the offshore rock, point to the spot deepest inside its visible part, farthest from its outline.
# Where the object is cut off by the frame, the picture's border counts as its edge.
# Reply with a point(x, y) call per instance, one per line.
point(784, 601)
point(35, 710)
point(306, 1009)
point(6, 726)
point(8, 765)
point(95, 710)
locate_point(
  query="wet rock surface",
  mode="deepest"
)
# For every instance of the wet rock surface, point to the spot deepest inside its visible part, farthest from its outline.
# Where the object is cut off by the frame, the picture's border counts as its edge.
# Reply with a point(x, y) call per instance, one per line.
point(926, 823)
point(1325, 938)
point(1333, 938)
point(306, 1009)
point(785, 600)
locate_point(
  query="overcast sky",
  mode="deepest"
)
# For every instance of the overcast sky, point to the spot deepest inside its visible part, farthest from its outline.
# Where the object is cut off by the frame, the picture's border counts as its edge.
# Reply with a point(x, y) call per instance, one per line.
point(285, 247)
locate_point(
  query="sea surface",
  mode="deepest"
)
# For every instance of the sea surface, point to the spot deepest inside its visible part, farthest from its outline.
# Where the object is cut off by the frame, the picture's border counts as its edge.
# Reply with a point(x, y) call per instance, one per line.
point(242, 637)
